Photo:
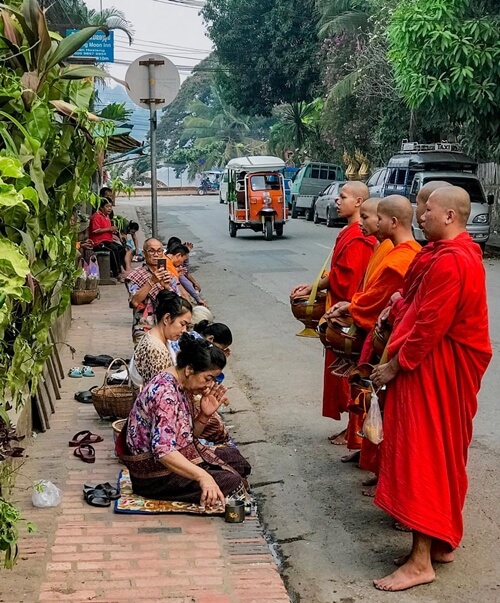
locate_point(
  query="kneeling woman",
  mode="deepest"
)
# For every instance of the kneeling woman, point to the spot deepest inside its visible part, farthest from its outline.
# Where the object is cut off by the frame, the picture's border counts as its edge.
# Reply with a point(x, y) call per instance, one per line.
point(162, 449)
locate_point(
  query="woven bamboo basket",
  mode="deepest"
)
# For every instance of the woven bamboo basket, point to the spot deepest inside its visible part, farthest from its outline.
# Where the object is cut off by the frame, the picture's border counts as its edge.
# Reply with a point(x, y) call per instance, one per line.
point(86, 296)
point(113, 400)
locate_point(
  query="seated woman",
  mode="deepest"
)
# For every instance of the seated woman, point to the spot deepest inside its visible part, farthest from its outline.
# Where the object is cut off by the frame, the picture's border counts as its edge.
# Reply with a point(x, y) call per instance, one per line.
point(101, 232)
point(160, 443)
point(217, 333)
point(152, 354)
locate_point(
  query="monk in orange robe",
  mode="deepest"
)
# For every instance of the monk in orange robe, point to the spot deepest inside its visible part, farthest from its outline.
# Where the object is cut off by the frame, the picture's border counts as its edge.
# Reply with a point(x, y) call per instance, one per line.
point(369, 452)
point(439, 352)
point(394, 218)
point(350, 257)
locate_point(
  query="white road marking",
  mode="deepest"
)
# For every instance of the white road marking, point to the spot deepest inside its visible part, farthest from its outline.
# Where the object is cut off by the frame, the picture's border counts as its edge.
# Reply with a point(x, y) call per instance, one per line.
point(324, 246)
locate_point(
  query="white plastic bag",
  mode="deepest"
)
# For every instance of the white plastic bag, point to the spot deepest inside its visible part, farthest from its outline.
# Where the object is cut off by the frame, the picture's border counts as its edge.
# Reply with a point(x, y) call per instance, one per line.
point(46, 494)
point(372, 427)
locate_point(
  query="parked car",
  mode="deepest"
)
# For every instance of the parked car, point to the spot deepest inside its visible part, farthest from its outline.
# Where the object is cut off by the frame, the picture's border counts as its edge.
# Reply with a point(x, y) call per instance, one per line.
point(325, 207)
point(311, 179)
point(478, 224)
point(376, 182)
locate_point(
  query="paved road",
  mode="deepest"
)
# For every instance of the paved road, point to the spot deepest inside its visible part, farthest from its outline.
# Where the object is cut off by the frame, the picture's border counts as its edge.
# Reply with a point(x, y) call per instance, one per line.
point(333, 541)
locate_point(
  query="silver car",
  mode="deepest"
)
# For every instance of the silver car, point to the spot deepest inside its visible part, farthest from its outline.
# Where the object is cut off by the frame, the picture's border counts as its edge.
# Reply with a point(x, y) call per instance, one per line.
point(376, 182)
point(325, 207)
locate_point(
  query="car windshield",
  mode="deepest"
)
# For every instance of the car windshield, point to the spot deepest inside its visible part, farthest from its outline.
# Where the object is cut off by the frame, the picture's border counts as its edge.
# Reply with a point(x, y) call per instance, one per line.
point(469, 184)
point(265, 183)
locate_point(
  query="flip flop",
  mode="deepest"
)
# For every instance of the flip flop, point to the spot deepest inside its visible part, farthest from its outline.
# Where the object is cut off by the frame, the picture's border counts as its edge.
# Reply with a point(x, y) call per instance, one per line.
point(87, 438)
point(86, 453)
point(85, 397)
point(87, 371)
point(75, 372)
point(106, 490)
point(96, 499)
point(102, 360)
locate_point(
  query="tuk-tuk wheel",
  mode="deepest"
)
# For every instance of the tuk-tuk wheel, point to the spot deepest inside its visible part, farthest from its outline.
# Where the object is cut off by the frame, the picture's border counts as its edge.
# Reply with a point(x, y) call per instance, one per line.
point(268, 229)
point(279, 231)
point(232, 229)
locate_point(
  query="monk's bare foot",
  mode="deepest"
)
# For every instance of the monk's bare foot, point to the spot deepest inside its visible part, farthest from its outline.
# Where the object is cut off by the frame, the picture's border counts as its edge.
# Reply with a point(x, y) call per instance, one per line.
point(402, 527)
point(371, 481)
point(370, 491)
point(407, 576)
point(436, 557)
point(352, 457)
point(338, 439)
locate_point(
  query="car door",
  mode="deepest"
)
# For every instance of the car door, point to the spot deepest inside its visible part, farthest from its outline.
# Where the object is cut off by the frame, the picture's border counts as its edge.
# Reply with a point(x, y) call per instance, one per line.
point(376, 182)
point(331, 204)
point(321, 202)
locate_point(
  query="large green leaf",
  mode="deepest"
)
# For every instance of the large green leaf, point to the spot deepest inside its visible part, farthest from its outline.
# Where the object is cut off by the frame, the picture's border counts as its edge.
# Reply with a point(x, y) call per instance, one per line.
point(12, 262)
point(11, 168)
point(79, 72)
point(69, 45)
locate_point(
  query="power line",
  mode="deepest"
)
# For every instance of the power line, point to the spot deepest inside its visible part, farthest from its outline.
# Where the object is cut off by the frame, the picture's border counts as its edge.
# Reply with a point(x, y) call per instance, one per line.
point(183, 3)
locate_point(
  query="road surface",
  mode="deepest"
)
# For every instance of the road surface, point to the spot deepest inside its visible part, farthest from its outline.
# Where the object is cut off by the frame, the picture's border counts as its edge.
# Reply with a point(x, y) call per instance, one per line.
point(331, 539)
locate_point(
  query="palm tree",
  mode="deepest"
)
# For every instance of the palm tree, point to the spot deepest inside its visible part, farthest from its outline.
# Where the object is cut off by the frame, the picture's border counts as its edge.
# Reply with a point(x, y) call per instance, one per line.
point(75, 14)
point(297, 127)
point(337, 16)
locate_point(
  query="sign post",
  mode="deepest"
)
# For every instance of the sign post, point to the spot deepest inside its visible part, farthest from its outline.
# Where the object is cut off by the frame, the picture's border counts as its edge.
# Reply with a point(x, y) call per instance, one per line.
point(153, 82)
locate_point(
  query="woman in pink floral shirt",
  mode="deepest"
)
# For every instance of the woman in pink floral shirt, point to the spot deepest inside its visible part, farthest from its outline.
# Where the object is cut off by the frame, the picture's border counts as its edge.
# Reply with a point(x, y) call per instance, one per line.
point(163, 452)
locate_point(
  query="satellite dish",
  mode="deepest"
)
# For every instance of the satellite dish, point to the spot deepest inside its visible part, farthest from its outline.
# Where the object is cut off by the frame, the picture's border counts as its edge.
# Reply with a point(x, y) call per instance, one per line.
point(164, 85)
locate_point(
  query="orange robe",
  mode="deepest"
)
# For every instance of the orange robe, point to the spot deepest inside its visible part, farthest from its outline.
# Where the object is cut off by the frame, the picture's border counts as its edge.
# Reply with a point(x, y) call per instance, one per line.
point(350, 258)
point(443, 347)
point(369, 460)
point(367, 304)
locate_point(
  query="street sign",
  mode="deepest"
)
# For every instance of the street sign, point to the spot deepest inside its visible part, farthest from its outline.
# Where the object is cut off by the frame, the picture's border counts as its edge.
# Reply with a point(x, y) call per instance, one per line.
point(153, 83)
point(166, 81)
point(100, 47)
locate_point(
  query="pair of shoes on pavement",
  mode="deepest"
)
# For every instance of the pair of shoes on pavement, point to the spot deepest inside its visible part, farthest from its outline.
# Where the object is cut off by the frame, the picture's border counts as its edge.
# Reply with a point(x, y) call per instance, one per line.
point(82, 443)
point(100, 495)
point(81, 371)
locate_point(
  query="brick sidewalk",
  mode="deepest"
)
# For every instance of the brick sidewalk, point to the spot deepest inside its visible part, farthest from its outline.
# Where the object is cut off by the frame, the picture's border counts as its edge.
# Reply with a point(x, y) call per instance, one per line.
point(82, 553)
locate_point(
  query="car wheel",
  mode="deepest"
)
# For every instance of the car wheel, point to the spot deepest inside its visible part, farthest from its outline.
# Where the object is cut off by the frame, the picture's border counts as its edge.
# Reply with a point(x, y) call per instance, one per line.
point(316, 219)
point(309, 214)
point(329, 220)
point(295, 212)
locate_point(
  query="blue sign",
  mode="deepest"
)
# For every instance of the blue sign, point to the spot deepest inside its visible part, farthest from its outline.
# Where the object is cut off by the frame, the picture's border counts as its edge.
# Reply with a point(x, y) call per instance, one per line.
point(100, 47)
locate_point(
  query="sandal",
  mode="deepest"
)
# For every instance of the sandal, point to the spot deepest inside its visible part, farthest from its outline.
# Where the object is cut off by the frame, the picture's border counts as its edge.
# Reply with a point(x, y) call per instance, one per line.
point(106, 490)
point(85, 397)
point(75, 372)
point(102, 360)
point(87, 371)
point(87, 438)
point(86, 453)
point(96, 499)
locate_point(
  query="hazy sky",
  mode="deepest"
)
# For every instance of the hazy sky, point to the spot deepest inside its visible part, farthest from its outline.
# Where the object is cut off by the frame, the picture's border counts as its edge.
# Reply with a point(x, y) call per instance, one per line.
point(177, 32)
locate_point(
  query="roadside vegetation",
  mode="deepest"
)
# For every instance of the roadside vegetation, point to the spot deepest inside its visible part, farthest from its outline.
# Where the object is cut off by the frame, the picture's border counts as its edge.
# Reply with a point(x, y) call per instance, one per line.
point(322, 77)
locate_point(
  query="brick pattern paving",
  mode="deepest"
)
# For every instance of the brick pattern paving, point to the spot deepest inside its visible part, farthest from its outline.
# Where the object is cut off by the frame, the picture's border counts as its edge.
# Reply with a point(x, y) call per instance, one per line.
point(82, 553)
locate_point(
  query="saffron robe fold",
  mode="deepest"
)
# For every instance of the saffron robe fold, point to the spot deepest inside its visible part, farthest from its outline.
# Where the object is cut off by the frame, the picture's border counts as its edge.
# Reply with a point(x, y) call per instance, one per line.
point(350, 258)
point(383, 279)
point(443, 347)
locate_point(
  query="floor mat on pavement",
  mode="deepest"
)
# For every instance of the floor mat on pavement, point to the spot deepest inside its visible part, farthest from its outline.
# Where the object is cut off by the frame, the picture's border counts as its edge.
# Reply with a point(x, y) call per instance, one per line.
point(133, 503)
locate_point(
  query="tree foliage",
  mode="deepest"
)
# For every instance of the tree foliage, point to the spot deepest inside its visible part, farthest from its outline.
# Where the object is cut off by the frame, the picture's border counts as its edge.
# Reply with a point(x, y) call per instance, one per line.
point(446, 58)
point(267, 51)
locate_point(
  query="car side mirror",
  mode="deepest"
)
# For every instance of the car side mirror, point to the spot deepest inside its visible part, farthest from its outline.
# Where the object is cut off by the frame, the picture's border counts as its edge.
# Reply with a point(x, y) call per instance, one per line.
point(490, 199)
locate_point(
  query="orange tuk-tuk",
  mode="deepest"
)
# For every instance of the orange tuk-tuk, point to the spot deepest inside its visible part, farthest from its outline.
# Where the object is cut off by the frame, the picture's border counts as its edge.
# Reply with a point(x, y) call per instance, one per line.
point(256, 195)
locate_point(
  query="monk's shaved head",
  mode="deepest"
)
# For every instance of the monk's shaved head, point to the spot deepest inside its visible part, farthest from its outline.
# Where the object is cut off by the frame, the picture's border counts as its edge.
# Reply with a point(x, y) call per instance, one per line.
point(425, 192)
point(357, 189)
point(399, 207)
point(453, 198)
point(370, 204)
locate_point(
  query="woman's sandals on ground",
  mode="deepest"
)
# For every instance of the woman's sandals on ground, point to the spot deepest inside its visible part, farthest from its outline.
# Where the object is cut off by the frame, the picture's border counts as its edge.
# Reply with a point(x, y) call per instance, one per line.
point(100, 495)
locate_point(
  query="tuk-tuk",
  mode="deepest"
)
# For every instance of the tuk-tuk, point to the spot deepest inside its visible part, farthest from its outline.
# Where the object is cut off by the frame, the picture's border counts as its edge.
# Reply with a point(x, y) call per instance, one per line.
point(256, 195)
